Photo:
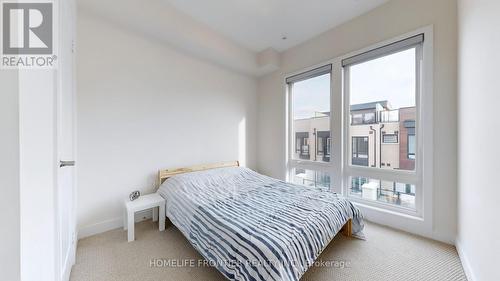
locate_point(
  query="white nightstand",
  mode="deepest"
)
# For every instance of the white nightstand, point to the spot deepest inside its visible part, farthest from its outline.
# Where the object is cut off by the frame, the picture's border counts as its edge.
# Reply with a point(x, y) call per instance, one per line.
point(144, 202)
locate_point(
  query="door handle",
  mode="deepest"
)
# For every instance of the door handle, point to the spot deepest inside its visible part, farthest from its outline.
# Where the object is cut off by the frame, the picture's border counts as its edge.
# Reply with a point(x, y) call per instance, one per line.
point(66, 163)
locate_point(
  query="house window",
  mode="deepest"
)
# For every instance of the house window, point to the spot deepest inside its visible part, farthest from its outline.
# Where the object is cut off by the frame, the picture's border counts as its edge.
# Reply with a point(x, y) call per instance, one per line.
point(357, 119)
point(411, 147)
point(389, 116)
point(323, 145)
point(360, 151)
point(383, 82)
point(369, 118)
point(390, 138)
point(362, 116)
point(309, 126)
point(302, 145)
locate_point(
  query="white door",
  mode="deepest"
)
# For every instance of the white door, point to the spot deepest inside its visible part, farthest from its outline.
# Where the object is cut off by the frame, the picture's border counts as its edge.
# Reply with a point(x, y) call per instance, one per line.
point(66, 112)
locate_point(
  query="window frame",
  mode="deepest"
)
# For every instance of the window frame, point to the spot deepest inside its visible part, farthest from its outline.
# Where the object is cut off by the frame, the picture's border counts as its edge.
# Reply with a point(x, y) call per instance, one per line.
point(408, 177)
point(418, 221)
point(421, 177)
point(371, 120)
point(329, 146)
point(408, 154)
point(391, 135)
point(291, 163)
point(357, 152)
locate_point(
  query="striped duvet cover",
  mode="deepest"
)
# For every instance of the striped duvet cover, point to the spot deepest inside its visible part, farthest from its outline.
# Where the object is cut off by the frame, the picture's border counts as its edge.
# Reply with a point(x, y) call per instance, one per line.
point(253, 227)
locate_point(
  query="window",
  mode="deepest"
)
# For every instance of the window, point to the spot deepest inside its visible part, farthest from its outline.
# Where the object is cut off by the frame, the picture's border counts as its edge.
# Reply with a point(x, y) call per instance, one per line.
point(390, 138)
point(409, 128)
point(386, 192)
point(357, 119)
point(369, 118)
point(302, 145)
point(311, 178)
point(309, 126)
point(366, 107)
point(323, 141)
point(363, 118)
point(360, 151)
point(389, 116)
point(411, 147)
point(383, 82)
point(311, 116)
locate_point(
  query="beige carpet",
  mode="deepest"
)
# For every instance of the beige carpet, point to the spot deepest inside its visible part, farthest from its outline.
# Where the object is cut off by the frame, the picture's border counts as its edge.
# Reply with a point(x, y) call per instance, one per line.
point(387, 255)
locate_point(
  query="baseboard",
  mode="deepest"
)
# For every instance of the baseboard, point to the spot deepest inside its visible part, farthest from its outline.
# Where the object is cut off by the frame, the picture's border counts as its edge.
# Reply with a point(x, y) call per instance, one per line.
point(110, 224)
point(465, 261)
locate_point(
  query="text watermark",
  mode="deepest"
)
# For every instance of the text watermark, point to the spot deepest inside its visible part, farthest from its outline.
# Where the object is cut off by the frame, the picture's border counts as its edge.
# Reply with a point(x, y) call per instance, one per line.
point(185, 263)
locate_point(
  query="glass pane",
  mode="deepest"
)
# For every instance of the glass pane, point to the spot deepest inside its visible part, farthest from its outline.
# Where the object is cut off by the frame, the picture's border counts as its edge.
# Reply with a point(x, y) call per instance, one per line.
point(360, 151)
point(311, 118)
point(311, 178)
point(383, 111)
point(369, 118)
point(395, 193)
point(357, 119)
point(411, 147)
point(390, 138)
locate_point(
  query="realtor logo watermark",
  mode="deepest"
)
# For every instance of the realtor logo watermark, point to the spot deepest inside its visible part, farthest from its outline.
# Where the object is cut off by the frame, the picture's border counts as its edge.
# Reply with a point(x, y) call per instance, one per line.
point(27, 34)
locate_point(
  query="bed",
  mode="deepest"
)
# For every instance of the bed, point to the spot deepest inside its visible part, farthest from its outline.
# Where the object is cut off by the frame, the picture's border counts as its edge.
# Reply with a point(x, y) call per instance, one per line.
point(253, 227)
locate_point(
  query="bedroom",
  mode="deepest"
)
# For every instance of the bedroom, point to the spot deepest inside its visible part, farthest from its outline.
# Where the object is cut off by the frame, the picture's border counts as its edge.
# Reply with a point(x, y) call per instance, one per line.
point(379, 101)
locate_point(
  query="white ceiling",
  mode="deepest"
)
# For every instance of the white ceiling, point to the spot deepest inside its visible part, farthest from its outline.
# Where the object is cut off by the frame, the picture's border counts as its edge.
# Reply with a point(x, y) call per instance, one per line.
point(241, 35)
point(261, 24)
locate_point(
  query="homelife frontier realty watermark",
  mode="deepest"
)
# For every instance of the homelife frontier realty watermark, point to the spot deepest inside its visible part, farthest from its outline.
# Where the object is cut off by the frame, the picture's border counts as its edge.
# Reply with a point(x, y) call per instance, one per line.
point(164, 262)
point(27, 34)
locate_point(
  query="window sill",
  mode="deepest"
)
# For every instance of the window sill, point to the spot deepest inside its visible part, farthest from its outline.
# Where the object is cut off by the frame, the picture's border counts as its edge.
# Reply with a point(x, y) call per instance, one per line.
point(386, 208)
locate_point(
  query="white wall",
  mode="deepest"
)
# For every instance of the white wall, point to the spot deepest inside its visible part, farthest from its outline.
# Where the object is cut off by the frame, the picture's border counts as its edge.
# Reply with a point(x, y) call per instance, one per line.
point(27, 173)
point(38, 164)
point(9, 176)
point(387, 21)
point(479, 100)
point(143, 106)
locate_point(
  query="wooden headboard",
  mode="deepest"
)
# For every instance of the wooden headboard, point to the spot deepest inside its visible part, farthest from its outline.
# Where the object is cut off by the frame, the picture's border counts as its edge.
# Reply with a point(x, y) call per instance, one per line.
point(167, 173)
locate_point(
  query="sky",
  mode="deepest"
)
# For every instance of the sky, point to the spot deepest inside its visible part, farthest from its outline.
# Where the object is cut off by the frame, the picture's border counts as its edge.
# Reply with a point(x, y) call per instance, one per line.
point(390, 78)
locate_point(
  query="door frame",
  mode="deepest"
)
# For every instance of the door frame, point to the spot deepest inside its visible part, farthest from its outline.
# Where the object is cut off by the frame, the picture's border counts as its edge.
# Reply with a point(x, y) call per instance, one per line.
point(66, 39)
